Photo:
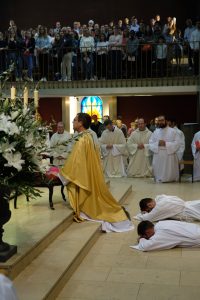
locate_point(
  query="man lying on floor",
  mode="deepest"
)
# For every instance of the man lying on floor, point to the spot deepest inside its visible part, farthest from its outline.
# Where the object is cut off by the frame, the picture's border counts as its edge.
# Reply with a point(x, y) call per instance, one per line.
point(166, 206)
point(167, 235)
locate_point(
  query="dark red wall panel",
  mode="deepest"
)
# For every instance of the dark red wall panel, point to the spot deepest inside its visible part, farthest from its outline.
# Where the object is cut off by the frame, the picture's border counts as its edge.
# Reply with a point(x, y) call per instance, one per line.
point(182, 108)
point(51, 109)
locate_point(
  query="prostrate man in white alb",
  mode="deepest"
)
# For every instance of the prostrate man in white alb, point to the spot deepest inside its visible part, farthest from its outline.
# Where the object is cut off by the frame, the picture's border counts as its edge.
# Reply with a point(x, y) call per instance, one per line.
point(166, 206)
point(164, 143)
point(113, 149)
point(139, 153)
point(167, 235)
point(196, 154)
point(58, 149)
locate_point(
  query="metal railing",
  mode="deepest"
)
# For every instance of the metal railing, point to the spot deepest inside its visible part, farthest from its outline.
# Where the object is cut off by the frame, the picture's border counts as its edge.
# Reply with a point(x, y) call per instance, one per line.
point(131, 62)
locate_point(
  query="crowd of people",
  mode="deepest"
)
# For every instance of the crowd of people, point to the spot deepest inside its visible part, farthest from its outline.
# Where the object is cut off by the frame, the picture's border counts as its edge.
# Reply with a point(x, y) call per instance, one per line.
point(128, 48)
point(140, 151)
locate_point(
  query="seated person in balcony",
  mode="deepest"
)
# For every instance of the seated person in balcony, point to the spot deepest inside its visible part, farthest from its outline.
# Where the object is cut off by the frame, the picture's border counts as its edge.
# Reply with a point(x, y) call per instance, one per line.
point(113, 148)
point(166, 206)
point(178, 47)
point(115, 54)
point(134, 24)
point(58, 148)
point(15, 53)
point(28, 52)
point(132, 53)
point(87, 49)
point(42, 46)
point(195, 45)
point(102, 61)
point(196, 154)
point(67, 55)
point(56, 55)
point(187, 36)
point(167, 235)
point(161, 57)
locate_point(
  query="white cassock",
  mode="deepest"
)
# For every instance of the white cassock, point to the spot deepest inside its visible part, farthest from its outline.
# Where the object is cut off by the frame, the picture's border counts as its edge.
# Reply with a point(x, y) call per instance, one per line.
point(165, 159)
point(181, 149)
point(196, 155)
point(172, 207)
point(170, 234)
point(7, 291)
point(57, 147)
point(113, 159)
point(139, 159)
point(95, 138)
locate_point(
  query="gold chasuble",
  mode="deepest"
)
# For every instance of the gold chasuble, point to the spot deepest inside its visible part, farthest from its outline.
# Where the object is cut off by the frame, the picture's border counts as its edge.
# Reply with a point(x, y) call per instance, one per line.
point(87, 189)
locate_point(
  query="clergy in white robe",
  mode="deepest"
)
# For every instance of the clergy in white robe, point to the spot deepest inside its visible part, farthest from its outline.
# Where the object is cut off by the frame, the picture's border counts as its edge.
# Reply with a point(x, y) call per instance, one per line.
point(196, 155)
point(164, 143)
point(172, 123)
point(59, 150)
point(168, 207)
point(167, 235)
point(114, 151)
point(139, 153)
point(181, 149)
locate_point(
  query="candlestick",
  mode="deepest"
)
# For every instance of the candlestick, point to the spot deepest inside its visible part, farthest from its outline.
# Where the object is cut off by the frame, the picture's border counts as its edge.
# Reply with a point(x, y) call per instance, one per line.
point(25, 96)
point(36, 98)
point(12, 93)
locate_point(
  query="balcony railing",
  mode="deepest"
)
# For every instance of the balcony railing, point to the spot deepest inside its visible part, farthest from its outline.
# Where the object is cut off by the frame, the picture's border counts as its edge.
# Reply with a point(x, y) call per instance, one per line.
point(134, 65)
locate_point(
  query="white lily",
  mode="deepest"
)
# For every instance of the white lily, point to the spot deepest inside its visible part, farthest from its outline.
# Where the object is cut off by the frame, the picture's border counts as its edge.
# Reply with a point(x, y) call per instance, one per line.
point(6, 147)
point(3, 126)
point(14, 160)
point(14, 114)
point(29, 140)
point(13, 129)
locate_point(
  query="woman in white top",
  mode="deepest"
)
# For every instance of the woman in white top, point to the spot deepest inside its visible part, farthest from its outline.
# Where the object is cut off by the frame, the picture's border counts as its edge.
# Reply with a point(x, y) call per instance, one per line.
point(87, 49)
point(115, 54)
point(102, 54)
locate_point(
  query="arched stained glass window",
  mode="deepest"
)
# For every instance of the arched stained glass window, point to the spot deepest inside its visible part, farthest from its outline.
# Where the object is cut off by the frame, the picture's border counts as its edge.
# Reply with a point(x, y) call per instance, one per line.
point(92, 105)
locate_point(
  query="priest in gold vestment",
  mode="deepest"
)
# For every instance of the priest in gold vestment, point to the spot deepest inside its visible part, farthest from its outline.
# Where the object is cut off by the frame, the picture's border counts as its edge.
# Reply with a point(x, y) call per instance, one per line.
point(88, 193)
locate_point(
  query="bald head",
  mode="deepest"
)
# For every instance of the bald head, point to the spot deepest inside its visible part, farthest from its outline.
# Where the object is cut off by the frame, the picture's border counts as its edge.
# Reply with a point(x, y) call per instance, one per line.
point(60, 127)
point(141, 124)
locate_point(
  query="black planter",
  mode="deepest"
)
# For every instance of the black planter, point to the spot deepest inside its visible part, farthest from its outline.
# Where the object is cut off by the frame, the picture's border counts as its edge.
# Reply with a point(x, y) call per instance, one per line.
point(6, 250)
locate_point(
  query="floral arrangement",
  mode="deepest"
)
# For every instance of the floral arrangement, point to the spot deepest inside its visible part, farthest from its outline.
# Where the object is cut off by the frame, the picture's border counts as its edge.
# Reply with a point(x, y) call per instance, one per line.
point(22, 140)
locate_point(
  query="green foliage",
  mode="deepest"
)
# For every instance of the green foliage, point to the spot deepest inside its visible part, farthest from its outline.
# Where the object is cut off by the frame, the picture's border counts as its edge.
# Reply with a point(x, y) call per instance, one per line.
point(22, 140)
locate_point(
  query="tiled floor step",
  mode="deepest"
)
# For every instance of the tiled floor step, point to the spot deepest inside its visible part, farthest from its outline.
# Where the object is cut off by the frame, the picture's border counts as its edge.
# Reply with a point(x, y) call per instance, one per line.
point(48, 273)
point(33, 226)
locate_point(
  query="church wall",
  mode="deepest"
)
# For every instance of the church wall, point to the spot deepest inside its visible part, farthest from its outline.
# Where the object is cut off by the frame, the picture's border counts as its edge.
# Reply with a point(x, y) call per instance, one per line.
point(48, 12)
point(182, 107)
point(50, 109)
point(67, 107)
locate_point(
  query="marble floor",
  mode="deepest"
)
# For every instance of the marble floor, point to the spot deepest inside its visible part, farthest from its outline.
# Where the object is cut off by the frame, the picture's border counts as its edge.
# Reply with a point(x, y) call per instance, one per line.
point(113, 271)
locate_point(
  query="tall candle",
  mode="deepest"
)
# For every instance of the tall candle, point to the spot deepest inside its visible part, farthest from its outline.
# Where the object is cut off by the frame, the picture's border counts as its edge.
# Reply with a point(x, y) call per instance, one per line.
point(12, 93)
point(36, 98)
point(25, 96)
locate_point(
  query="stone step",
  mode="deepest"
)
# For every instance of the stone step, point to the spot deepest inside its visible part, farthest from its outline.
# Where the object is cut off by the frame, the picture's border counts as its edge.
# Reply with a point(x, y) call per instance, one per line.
point(33, 226)
point(48, 273)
